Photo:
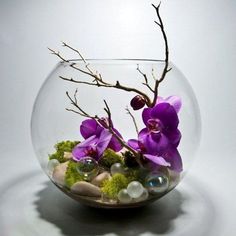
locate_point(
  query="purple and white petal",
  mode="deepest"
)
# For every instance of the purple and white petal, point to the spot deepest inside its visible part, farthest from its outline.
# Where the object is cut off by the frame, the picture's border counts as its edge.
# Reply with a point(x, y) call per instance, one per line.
point(173, 157)
point(133, 143)
point(103, 142)
point(175, 101)
point(81, 149)
point(157, 160)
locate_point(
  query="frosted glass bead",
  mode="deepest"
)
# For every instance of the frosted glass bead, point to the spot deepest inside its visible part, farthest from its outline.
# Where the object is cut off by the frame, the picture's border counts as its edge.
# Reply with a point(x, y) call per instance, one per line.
point(117, 168)
point(124, 197)
point(143, 197)
point(88, 168)
point(135, 189)
point(157, 183)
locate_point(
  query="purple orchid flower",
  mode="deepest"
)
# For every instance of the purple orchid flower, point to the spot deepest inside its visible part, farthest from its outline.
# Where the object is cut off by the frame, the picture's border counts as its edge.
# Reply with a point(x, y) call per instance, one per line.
point(174, 101)
point(158, 142)
point(97, 140)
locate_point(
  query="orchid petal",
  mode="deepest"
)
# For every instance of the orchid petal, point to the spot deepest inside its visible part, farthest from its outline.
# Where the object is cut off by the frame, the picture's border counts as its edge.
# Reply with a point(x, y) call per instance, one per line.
point(157, 160)
point(133, 143)
point(150, 145)
point(166, 114)
point(174, 136)
point(175, 101)
point(173, 157)
point(146, 115)
point(81, 149)
point(88, 128)
point(103, 142)
point(114, 143)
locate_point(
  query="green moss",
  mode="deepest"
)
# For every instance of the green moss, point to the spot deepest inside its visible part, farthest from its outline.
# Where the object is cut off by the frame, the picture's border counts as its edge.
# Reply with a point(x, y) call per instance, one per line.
point(109, 158)
point(134, 174)
point(110, 188)
point(72, 176)
point(61, 147)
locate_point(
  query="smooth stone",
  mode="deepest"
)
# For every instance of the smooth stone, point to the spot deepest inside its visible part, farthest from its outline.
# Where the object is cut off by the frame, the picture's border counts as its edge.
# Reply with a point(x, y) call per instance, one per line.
point(68, 155)
point(100, 178)
point(51, 166)
point(86, 189)
point(59, 173)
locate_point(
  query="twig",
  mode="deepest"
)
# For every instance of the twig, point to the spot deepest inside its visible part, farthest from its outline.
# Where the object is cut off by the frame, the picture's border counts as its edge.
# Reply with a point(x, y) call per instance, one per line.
point(133, 119)
point(108, 85)
point(120, 140)
point(75, 104)
point(153, 75)
point(57, 54)
point(166, 69)
point(80, 55)
point(98, 80)
point(145, 79)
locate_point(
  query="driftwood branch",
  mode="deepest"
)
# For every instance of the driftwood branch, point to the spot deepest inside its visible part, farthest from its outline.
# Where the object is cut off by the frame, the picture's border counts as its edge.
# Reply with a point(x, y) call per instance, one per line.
point(133, 119)
point(146, 82)
point(166, 67)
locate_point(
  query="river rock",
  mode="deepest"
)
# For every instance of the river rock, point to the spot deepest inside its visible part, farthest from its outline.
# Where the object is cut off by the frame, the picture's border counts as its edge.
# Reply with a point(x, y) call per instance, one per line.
point(100, 178)
point(59, 173)
point(68, 155)
point(86, 189)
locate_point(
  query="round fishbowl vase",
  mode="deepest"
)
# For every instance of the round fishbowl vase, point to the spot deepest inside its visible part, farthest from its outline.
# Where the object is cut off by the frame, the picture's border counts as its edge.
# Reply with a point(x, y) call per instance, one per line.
point(103, 138)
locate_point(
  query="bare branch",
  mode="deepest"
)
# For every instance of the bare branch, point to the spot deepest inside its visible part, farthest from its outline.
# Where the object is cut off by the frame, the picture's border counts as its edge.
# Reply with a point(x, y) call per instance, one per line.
point(98, 83)
point(166, 69)
point(133, 119)
point(57, 54)
point(80, 55)
point(75, 104)
point(98, 80)
point(145, 79)
point(153, 75)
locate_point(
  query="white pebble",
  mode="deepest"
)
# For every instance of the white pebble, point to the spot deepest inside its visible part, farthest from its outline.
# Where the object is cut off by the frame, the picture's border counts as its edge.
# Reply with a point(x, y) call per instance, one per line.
point(86, 189)
point(98, 180)
point(59, 173)
point(51, 166)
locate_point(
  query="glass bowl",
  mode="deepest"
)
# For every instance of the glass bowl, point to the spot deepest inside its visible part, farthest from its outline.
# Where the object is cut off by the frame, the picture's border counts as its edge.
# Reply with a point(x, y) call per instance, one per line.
point(56, 131)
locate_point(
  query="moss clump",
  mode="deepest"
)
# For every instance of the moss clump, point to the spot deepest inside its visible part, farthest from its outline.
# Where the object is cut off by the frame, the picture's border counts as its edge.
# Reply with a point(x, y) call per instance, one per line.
point(134, 174)
point(111, 188)
point(109, 158)
point(61, 147)
point(72, 176)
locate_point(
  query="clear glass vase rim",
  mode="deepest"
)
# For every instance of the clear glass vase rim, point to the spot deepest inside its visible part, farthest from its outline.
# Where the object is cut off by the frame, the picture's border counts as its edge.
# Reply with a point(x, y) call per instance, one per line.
point(117, 60)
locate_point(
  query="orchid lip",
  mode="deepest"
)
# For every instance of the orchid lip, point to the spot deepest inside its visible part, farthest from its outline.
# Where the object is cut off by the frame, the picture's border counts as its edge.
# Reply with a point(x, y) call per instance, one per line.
point(154, 125)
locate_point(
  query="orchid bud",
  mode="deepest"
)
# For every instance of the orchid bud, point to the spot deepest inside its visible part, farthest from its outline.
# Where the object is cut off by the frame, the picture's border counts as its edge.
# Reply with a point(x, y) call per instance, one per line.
point(137, 102)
